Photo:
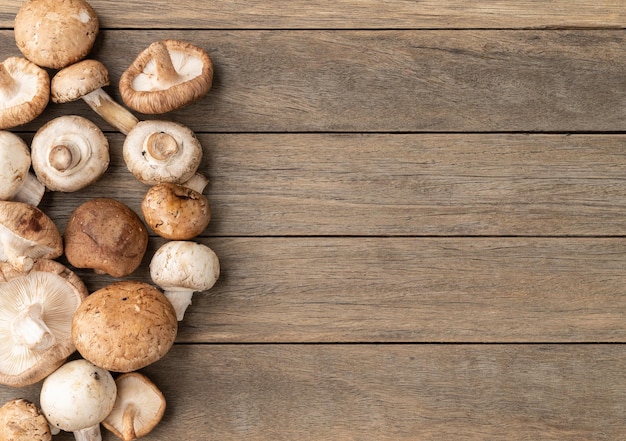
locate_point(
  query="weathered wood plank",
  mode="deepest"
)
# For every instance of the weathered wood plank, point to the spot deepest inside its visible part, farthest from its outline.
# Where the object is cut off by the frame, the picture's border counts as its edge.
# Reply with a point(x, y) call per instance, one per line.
point(387, 81)
point(382, 392)
point(408, 290)
point(320, 184)
point(346, 14)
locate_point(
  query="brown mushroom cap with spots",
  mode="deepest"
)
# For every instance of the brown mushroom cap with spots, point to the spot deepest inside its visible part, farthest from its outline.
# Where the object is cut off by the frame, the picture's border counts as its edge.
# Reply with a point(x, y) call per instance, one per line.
point(124, 326)
point(167, 75)
point(107, 236)
point(55, 33)
point(21, 420)
point(175, 212)
point(24, 92)
point(36, 311)
point(27, 234)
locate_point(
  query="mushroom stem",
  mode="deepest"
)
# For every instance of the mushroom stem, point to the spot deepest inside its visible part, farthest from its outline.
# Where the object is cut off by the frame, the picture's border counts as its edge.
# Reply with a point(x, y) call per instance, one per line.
point(31, 192)
point(165, 71)
point(161, 146)
point(197, 182)
point(180, 300)
point(128, 423)
point(30, 330)
point(14, 257)
point(113, 113)
point(92, 433)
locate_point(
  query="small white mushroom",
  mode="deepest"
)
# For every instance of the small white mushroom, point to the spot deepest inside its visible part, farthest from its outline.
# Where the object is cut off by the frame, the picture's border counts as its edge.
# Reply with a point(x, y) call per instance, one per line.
point(138, 408)
point(69, 153)
point(77, 397)
point(162, 151)
point(181, 268)
point(17, 183)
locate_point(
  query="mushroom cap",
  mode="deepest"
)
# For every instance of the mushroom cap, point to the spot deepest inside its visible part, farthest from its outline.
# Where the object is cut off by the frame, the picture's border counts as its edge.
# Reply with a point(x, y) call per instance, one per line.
point(124, 326)
point(24, 92)
point(15, 160)
point(69, 153)
point(27, 232)
point(21, 420)
point(107, 236)
point(55, 33)
point(175, 212)
point(138, 408)
point(77, 80)
point(59, 291)
point(78, 395)
point(162, 151)
point(184, 266)
point(167, 75)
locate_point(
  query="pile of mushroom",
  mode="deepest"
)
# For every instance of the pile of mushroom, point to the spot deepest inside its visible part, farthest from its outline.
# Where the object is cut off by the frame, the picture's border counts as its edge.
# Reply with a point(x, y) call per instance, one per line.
point(46, 311)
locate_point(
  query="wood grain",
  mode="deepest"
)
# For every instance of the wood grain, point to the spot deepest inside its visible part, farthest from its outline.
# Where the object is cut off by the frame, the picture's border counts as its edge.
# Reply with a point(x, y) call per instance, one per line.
point(389, 81)
point(395, 185)
point(407, 290)
point(345, 14)
point(383, 392)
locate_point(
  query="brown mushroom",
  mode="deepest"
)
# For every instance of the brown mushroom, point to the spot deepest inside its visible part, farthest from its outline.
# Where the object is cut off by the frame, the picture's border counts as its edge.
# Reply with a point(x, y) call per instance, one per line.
point(175, 212)
point(55, 34)
point(167, 75)
point(24, 92)
point(36, 311)
point(107, 236)
point(138, 408)
point(21, 420)
point(26, 234)
point(124, 326)
point(85, 80)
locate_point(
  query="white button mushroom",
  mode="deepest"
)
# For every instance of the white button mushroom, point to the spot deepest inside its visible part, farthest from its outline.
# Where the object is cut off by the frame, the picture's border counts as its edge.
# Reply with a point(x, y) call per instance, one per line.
point(162, 151)
point(167, 75)
point(181, 268)
point(26, 234)
point(85, 80)
point(69, 153)
point(36, 312)
point(77, 397)
point(24, 91)
point(17, 183)
point(138, 408)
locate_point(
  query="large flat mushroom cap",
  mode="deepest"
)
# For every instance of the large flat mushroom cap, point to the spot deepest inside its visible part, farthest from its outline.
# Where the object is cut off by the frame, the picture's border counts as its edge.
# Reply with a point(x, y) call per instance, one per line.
point(27, 232)
point(77, 80)
point(24, 92)
point(57, 292)
point(124, 326)
point(55, 33)
point(167, 75)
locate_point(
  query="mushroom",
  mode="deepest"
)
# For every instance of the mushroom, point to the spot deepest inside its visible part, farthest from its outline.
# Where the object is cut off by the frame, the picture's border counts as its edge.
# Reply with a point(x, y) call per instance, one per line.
point(17, 183)
point(36, 311)
point(77, 397)
point(21, 420)
point(175, 212)
point(162, 151)
point(181, 268)
point(85, 80)
point(69, 153)
point(55, 34)
point(26, 234)
point(107, 236)
point(24, 92)
point(167, 75)
point(138, 408)
point(124, 326)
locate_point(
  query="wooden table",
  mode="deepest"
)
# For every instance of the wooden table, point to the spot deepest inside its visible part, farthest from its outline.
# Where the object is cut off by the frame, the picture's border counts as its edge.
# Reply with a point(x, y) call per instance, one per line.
point(419, 209)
